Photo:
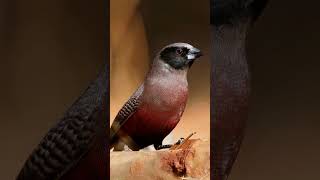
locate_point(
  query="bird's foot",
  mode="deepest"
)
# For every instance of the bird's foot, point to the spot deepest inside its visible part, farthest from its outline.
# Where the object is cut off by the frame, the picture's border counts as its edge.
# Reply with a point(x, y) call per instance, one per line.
point(181, 141)
point(178, 144)
point(165, 146)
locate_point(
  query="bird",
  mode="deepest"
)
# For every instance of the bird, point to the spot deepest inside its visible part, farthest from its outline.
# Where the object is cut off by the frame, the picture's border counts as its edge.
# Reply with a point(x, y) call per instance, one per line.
point(157, 105)
point(74, 147)
point(230, 86)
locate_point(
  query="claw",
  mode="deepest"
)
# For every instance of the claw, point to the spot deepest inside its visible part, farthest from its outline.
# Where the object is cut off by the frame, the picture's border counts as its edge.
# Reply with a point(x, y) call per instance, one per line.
point(181, 141)
point(177, 145)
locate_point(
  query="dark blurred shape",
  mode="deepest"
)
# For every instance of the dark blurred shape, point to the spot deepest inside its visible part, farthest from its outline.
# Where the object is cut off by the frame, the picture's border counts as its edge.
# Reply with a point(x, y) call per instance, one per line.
point(50, 51)
point(74, 147)
point(232, 11)
point(230, 84)
point(282, 134)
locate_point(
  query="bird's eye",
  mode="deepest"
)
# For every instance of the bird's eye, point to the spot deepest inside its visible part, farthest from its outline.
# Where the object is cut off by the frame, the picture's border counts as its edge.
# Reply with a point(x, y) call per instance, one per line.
point(179, 51)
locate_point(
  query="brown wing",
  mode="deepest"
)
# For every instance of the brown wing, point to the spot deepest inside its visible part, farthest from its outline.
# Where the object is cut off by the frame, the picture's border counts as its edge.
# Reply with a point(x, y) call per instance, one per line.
point(127, 110)
point(66, 143)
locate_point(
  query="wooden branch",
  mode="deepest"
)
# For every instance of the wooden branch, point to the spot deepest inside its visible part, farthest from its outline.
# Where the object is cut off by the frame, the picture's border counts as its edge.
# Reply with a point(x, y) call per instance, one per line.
point(188, 161)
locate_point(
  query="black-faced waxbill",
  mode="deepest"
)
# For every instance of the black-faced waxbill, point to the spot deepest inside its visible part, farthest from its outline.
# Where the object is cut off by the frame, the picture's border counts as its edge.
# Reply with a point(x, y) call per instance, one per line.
point(156, 107)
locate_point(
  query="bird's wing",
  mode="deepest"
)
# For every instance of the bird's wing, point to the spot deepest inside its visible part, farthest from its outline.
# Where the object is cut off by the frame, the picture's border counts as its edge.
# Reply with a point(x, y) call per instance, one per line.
point(127, 110)
point(66, 143)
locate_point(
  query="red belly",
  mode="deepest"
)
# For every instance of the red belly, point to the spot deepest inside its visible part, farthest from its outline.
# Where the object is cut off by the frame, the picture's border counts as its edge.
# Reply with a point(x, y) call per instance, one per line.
point(147, 127)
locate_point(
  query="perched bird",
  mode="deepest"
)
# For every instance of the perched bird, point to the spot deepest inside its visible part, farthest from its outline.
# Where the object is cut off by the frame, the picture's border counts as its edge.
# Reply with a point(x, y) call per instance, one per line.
point(230, 20)
point(156, 107)
point(75, 147)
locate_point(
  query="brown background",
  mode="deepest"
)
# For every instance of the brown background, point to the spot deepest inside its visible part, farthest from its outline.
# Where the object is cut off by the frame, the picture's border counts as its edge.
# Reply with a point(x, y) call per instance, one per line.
point(50, 51)
point(187, 21)
point(139, 29)
point(282, 140)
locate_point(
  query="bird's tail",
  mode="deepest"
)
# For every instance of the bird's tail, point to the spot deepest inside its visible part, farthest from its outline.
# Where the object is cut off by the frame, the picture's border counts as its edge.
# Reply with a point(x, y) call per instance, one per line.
point(117, 145)
point(112, 142)
point(113, 138)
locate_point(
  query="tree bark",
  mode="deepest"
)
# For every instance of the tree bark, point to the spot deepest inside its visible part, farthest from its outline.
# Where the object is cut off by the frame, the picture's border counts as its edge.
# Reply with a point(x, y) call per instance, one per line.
point(191, 160)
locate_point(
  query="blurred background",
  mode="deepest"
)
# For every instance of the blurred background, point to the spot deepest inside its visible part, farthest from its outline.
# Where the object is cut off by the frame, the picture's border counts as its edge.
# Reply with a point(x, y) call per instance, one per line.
point(282, 137)
point(138, 30)
point(49, 52)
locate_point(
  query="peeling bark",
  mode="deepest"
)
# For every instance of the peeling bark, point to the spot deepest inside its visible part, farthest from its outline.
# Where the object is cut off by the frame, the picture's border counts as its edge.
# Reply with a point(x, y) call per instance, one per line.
point(188, 161)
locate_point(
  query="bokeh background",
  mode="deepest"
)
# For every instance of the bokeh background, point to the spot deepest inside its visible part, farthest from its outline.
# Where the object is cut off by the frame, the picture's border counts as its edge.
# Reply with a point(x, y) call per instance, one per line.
point(282, 137)
point(49, 52)
point(138, 30)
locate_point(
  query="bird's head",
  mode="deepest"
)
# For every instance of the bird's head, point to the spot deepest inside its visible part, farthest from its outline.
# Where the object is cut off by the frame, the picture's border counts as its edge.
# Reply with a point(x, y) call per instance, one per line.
point(179, 55)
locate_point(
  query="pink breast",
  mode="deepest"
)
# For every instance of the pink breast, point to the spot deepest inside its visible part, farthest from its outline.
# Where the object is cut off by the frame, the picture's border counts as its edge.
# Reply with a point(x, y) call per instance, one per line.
point(158, 114)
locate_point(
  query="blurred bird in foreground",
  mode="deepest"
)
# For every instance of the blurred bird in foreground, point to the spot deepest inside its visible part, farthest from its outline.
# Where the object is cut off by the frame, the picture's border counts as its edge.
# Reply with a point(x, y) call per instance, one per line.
point(156, 107)
point(230, 88)
point(74, 147)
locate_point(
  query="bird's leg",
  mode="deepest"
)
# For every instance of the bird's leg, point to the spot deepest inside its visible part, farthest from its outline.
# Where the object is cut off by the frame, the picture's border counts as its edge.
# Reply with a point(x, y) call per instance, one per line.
point(181, 141)
point(161, 146)
point(177, 144)
point(166, 146)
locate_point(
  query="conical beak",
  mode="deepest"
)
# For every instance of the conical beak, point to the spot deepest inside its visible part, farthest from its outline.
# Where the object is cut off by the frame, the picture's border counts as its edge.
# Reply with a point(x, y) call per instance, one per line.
point(194, 53)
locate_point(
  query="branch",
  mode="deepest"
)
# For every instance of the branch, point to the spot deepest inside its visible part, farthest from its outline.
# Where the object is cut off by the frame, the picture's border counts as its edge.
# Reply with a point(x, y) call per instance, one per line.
point(188, 161)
